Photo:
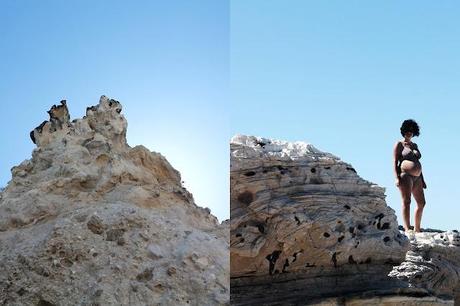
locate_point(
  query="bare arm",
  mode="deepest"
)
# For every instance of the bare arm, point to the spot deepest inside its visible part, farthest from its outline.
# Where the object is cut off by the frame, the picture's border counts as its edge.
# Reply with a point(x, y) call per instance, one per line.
point(423, 181)
point(396, 157)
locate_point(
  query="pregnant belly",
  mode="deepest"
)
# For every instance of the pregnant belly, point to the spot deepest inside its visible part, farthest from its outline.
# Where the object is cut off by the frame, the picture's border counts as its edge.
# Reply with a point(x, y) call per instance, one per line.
point(411, 167)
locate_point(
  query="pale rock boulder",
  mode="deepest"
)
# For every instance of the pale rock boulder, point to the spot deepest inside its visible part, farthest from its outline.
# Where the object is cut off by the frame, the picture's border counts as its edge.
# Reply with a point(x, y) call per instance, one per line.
point(294, 207)
point(430, 275)
point(307, 230)
point(88, 220)
point(433, 264)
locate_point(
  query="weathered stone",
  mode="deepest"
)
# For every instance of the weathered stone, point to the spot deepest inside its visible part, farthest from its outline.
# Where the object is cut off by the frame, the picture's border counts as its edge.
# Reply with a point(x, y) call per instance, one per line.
point(294, 207)
point(76, 221)
point(433, 263)
point(306, 229)
point(95, 225)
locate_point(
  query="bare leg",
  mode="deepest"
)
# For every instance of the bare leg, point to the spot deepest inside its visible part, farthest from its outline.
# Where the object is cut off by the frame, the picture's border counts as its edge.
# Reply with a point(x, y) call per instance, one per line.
point(405, 187)
point(419, 196)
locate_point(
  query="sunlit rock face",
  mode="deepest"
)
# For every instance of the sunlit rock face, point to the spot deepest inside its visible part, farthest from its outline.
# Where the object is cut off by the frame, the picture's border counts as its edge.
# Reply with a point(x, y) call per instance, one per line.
point(294, 207)
point(433, 264)
point(88, 220)
point(306, 227)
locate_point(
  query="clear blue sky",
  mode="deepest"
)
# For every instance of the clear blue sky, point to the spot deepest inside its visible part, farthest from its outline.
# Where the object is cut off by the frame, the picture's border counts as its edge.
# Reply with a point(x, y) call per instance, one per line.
point(343, 75)
point(167, 62)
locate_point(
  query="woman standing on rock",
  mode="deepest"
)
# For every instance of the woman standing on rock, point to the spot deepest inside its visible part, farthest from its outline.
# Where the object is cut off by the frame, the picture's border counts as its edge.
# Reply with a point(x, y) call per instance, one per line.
point(408, 171)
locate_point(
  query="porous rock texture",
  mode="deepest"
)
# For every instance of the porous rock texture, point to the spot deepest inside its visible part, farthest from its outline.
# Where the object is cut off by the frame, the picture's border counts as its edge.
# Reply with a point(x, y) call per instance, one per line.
point(433, 264)
point(91, 221)
point(306, 229)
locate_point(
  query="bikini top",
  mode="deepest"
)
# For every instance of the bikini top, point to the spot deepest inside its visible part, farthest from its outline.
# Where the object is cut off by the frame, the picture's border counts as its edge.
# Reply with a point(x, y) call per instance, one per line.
point(408, 154)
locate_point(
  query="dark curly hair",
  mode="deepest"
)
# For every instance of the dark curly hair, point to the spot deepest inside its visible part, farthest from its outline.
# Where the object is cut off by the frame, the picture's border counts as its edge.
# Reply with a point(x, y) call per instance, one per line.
point(410, 125)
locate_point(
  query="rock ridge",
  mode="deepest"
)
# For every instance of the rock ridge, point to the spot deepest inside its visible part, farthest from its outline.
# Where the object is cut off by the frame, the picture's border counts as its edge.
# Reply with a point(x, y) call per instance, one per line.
point(88, 220)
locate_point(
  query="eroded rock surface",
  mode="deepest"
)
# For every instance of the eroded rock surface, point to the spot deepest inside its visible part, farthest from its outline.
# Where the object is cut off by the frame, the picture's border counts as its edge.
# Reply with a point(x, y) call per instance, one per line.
point(91, 221)
point(294, 207)
point(433, 264)
point(306, 229)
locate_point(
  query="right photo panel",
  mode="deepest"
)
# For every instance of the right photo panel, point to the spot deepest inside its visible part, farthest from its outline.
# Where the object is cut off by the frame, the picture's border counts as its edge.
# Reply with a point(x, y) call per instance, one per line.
point(343, 120)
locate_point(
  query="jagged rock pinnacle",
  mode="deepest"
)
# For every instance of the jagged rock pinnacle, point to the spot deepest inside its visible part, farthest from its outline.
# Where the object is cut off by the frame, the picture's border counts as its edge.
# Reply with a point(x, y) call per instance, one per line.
point(90, 220)
point(104, 119)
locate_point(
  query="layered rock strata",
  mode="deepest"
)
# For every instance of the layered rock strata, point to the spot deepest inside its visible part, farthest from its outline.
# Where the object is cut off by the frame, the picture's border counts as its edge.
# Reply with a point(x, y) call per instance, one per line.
point(88, 220)
point(305, 227)
point(433, 264)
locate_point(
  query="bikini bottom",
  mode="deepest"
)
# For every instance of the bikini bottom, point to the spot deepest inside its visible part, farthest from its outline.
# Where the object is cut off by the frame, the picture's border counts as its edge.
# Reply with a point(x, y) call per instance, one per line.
point(412, 177)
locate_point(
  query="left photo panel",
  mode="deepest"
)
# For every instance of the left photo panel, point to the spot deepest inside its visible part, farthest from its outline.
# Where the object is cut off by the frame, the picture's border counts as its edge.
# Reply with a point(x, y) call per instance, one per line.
point(114, 186)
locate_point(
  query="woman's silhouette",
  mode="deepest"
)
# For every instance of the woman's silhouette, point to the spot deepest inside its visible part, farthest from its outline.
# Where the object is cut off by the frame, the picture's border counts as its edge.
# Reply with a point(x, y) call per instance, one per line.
point(408, 171)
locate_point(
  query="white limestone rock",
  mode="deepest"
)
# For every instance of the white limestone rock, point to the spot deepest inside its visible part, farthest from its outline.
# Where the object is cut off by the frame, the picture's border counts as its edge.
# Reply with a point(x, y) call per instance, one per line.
point(294, 207)
point(433, 263)
point(91, 221)
point(306, 229)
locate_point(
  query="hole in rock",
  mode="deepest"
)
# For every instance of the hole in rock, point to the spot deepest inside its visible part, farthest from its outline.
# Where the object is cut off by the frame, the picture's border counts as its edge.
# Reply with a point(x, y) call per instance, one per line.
point(351, 260)
point(334, 259)
point(281, 168)
point(44, 303)
point(297, 219)
point(246, 197)
point(316, 181)
point(286, 264)
point(385, 226)
point(379, 217)
point(21, 291)
point(272, 258)
point(250, 173)
point(261, 228)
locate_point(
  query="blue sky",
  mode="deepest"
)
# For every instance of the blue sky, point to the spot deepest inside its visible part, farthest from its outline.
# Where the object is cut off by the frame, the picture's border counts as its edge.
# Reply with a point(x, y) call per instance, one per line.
point(343, 75)
point(167, 62)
